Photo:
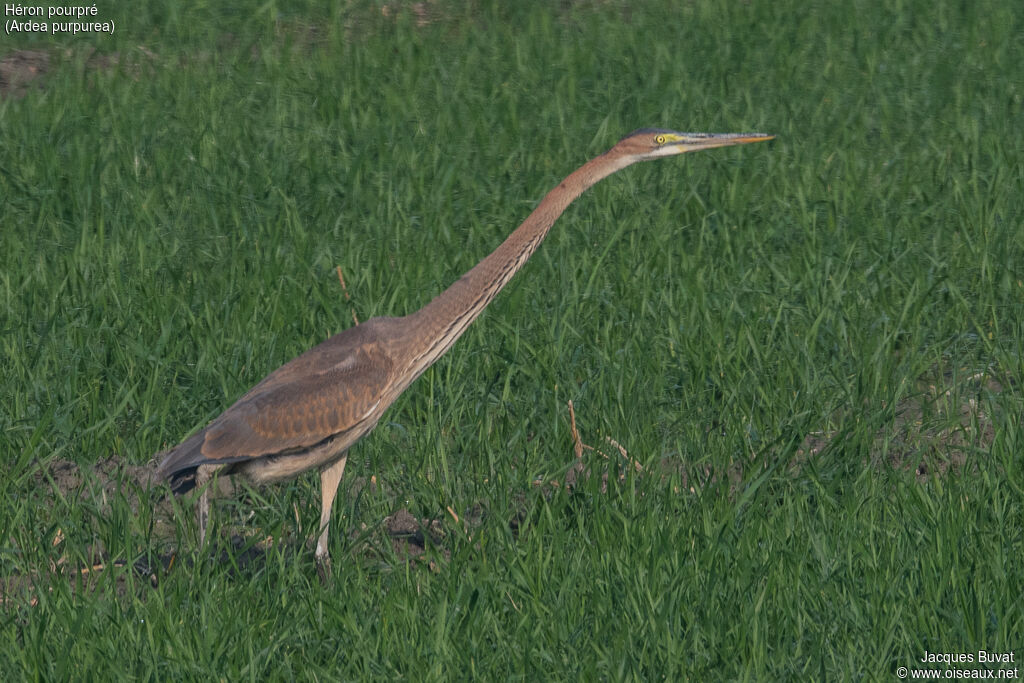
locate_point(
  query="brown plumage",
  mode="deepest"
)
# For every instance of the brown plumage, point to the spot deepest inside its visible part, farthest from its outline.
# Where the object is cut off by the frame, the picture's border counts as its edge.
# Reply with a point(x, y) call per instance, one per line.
point(307, 413)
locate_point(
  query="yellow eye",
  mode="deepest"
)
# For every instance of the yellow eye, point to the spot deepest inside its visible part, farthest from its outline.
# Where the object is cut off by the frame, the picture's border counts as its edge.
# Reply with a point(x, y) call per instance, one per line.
point(661, 139)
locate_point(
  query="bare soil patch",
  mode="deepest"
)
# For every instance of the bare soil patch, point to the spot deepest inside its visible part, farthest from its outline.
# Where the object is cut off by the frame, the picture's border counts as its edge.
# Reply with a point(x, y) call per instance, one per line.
point(20, 70)
point(942, 426)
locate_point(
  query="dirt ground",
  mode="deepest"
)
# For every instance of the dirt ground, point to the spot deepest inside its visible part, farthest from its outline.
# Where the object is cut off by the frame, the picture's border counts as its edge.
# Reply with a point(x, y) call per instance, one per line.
point(400, 536)
point(20, 70)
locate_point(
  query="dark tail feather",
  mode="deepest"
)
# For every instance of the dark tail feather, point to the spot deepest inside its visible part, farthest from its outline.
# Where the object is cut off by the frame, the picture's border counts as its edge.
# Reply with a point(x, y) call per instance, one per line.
point(178, 465)
point(183, 481)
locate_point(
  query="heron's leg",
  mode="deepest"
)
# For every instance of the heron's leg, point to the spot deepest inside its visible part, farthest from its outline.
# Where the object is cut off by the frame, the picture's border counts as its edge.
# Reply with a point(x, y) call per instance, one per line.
point(203, 475)
point(330, 477)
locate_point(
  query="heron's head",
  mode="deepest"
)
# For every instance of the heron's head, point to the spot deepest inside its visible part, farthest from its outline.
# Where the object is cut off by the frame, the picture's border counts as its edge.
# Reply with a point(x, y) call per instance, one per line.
point(653, 143)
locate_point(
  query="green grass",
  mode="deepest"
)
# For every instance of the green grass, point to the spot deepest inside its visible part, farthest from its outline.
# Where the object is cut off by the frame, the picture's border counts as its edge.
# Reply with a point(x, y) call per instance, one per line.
point(170, 225)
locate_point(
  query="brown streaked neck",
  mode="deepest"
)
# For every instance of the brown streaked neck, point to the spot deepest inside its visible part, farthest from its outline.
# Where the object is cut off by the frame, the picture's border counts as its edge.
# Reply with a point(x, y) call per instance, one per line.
point(441, 322)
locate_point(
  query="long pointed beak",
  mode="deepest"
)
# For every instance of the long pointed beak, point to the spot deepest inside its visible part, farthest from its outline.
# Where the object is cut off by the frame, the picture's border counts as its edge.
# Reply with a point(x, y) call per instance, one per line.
point(695, 141)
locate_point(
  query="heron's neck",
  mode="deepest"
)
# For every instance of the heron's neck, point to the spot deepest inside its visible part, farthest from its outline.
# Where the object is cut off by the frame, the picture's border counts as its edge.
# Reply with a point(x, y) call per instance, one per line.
point(442, 321)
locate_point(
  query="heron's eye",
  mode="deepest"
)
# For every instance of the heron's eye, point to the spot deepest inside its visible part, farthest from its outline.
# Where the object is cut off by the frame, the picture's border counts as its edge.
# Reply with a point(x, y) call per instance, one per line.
point(661, 139)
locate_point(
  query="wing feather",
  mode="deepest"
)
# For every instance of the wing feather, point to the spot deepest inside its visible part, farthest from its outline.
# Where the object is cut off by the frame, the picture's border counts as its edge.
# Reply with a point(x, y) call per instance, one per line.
point(326, 391)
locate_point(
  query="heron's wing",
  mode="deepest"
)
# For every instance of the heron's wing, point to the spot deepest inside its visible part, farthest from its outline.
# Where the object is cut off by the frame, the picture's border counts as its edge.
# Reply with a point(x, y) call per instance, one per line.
point(299, 412)
point(326, 391)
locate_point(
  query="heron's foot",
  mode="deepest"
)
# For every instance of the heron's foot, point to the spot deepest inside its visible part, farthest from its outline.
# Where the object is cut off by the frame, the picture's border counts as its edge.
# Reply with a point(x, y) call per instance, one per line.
point(203, 514)
point(323, 568)
point(203, 475)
